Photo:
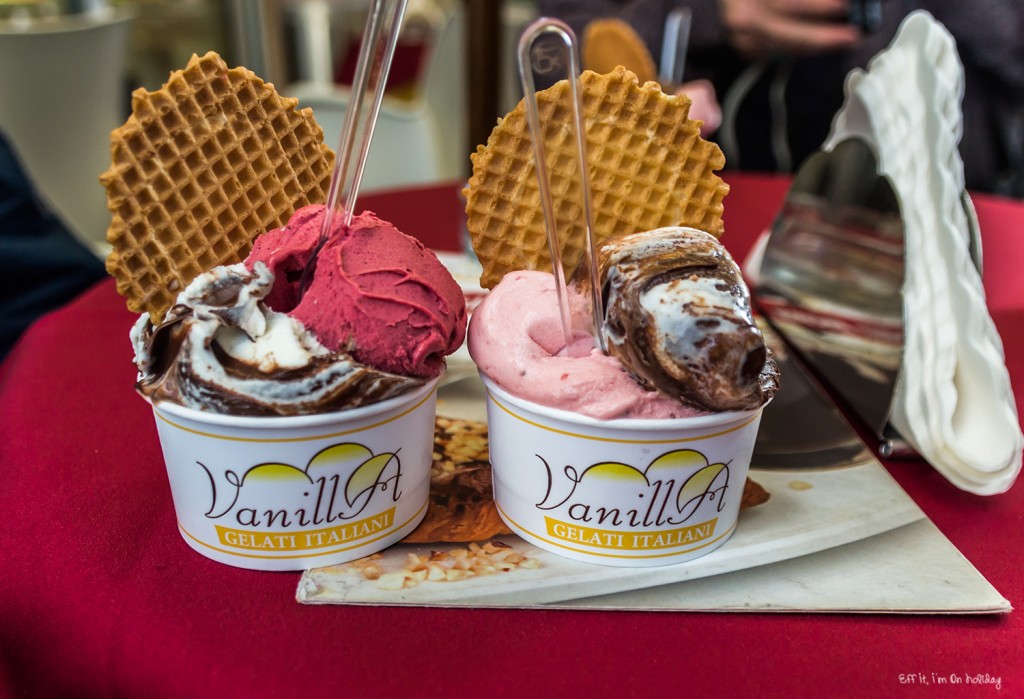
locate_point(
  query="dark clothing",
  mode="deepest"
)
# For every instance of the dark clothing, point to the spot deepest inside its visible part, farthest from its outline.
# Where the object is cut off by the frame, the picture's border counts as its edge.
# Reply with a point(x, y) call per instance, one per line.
point(990, 42)
point(42, 266)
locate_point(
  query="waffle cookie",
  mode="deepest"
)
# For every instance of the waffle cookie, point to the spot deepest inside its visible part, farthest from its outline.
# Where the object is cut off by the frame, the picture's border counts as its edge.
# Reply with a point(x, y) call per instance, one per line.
point(461, 506)
point(609, 42)
point(649, 168)
point(202, 166)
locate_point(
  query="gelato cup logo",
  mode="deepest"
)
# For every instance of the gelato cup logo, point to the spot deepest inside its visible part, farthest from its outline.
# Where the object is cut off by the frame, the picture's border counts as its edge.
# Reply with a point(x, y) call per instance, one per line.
point(615, 505)
point(287, 493)
point(630, 492)
point(334, 490)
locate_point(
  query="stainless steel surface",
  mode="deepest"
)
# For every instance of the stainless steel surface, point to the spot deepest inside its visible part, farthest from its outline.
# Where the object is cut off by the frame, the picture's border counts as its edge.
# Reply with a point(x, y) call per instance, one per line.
point(802, 428)
point(831, 280)
point(674, 46)
point(256, 36)
point(832, 276)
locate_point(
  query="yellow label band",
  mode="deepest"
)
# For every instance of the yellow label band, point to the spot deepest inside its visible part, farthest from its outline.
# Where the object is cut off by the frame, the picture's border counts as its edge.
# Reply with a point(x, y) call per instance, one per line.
point(254, 540)
point(643, 541)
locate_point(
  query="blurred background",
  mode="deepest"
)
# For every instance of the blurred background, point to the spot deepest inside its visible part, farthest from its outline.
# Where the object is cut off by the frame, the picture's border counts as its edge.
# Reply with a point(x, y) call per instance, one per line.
point(68, 67)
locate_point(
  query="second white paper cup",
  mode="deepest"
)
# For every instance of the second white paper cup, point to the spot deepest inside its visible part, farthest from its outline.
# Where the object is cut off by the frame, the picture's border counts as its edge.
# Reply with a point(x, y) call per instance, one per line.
point(288, 493)
point(627, 493)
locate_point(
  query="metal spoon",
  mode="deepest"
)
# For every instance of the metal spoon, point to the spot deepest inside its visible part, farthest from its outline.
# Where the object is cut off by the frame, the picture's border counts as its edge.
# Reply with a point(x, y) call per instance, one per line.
point(674, 46)
point(537, 29)
point(372, 68)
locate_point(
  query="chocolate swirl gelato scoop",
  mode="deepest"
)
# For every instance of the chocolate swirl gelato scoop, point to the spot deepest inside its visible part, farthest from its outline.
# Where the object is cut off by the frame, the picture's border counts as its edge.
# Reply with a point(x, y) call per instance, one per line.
point(678, 317)
point(221, 349)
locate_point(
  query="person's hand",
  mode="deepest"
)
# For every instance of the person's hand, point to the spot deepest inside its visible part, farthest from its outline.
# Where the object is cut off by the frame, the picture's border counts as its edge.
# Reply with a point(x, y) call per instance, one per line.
point(703, 104)
point(758, 28)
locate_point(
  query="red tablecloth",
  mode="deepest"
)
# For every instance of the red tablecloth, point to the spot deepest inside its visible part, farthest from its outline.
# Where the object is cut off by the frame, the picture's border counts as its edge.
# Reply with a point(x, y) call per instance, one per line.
point(99, 596)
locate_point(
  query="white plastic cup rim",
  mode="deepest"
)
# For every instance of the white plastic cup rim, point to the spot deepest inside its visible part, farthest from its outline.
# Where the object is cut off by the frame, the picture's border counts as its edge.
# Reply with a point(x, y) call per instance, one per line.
point(294, 421)
point(695, 422)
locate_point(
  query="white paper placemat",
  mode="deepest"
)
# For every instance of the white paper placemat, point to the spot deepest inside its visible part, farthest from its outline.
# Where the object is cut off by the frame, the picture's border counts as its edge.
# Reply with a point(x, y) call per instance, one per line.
point(843, 539)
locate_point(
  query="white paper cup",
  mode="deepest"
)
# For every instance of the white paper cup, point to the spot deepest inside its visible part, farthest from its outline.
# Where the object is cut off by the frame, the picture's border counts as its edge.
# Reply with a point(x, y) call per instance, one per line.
point(627, 493)
point(288, 493)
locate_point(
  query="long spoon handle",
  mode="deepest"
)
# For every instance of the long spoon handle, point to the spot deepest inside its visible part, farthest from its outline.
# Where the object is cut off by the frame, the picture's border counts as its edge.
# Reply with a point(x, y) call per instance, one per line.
point(541, 27)
point(375, 55)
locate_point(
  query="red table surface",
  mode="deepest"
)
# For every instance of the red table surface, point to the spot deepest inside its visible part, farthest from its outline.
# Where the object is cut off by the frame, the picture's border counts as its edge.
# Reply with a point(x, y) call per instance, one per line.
point(99, 596)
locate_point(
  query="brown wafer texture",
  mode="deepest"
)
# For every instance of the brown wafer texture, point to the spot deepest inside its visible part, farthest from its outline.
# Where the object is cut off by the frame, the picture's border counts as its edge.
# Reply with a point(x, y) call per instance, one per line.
point(609, 42)
point(202, 166)
point(648, 168)
point(461, 506)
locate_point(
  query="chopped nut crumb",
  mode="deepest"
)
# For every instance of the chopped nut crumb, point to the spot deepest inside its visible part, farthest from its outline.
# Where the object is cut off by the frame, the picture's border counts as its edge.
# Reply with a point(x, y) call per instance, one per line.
point(446, 566)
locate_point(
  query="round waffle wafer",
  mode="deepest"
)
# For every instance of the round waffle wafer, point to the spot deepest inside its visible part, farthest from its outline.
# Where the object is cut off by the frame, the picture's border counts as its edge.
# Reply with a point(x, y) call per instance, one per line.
point(202, 166)
point(609, 42)
point(649, 168)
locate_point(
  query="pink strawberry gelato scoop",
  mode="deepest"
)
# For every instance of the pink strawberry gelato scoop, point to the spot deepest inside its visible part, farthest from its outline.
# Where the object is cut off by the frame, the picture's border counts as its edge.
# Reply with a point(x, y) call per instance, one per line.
point(375, 292)
point(516, 339)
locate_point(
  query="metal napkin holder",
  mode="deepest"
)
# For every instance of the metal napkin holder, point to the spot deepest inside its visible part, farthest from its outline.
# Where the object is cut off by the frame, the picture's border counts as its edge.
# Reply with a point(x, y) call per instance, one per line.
point(831, 278)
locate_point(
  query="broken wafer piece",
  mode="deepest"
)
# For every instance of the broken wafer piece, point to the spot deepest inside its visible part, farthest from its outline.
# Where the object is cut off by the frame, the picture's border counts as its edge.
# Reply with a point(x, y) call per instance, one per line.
point(461, 508)
point(649, 168)
point(202, 166)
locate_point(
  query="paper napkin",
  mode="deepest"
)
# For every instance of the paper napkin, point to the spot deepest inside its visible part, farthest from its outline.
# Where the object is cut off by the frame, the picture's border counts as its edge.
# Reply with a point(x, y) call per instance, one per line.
point(953, 401)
